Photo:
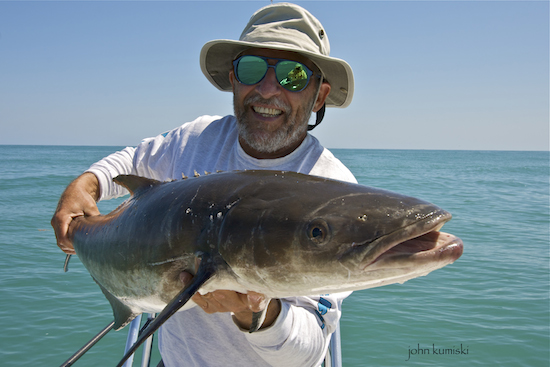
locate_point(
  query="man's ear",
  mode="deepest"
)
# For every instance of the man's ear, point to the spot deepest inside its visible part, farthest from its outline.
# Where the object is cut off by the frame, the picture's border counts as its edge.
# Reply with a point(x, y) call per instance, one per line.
point(232, 80)
point(324, 91)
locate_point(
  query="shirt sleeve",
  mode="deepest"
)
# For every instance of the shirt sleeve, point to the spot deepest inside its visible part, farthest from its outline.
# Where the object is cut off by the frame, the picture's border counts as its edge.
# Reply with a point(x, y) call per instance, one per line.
point(118, 163)
point(301, 334)
point(152, 158)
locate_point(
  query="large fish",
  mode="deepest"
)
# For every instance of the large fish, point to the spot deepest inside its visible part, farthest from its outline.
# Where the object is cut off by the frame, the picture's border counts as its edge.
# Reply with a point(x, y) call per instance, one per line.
point(278, 233)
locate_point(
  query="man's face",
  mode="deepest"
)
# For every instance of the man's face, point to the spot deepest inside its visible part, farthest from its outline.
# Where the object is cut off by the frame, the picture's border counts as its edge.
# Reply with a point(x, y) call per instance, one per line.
point(273, 121)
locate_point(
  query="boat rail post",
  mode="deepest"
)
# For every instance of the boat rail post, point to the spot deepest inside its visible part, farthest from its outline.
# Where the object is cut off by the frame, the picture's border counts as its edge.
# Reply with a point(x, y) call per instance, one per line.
point(147, 346)
point(335, 348)
point(332, 359)
point(131, 339)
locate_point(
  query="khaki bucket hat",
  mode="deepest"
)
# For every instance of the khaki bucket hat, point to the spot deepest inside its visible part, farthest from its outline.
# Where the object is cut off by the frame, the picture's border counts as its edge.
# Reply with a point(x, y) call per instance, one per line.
point(286, 27)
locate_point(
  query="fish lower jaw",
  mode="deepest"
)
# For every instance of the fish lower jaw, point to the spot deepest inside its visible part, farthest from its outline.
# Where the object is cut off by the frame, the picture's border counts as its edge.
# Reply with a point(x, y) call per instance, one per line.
point(432, 247)
point(400, 276)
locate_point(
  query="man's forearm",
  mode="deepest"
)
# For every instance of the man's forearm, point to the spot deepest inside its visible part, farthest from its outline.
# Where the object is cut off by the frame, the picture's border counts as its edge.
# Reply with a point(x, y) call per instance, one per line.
point(88, 183)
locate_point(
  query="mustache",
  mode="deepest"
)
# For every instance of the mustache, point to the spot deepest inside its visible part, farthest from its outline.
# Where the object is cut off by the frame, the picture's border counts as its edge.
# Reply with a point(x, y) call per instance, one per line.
point(274, 102)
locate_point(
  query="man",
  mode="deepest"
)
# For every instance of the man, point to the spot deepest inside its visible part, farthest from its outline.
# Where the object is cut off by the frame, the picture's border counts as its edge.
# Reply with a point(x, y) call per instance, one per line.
point(279, 72)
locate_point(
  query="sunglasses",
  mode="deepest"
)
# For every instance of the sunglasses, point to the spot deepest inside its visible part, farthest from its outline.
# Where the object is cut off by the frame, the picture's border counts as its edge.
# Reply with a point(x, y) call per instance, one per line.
point(291, 75)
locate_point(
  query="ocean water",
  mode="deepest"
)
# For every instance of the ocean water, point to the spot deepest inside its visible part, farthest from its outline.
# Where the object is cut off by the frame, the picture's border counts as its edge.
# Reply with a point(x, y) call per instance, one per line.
point(491, 307)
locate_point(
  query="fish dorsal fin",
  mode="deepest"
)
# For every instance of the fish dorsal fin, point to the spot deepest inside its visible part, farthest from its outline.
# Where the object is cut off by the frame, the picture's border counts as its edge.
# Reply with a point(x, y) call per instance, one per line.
point(136, 184)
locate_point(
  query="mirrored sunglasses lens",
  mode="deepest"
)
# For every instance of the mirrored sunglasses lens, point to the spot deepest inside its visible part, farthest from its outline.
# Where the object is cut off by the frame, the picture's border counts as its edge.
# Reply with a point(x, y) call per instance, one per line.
point(250, 69)
point(292, 75)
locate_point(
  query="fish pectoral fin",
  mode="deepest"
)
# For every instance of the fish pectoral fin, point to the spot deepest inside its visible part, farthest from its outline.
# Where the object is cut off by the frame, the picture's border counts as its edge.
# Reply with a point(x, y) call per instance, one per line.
point(122, 313)
point(205, 271)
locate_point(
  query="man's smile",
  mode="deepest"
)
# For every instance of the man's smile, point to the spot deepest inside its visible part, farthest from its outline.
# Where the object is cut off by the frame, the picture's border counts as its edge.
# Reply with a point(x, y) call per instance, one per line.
point(267, 112)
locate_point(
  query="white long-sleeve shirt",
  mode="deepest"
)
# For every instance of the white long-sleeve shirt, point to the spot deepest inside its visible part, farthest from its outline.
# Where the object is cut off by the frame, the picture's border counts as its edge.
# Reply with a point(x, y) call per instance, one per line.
point(301, 333)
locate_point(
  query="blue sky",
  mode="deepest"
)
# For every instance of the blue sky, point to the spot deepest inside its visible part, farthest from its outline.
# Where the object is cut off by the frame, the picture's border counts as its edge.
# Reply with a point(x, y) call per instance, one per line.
point(428, 75)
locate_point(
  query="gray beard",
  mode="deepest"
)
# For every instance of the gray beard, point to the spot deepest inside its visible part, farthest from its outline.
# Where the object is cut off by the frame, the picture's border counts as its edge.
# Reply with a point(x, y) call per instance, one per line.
point(288, 134)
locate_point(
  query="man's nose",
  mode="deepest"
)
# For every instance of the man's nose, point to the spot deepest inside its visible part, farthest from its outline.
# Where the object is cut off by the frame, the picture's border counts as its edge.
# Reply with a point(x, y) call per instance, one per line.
point(269, 86)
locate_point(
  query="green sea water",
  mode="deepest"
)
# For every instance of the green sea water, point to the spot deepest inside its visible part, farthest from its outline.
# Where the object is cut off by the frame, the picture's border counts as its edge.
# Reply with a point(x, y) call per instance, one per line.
point(489, 308)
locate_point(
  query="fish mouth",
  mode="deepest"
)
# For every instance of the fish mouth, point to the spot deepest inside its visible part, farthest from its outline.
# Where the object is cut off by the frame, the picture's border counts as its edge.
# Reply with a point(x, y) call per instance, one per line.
point(434, 246)
point(418, 244)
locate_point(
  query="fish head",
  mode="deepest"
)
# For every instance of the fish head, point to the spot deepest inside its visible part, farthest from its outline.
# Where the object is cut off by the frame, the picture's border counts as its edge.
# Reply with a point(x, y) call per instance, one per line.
point(302, 237)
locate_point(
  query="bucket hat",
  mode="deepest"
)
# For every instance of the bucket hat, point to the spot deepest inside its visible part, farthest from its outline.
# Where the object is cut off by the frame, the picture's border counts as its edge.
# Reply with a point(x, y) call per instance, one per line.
point(286, 27)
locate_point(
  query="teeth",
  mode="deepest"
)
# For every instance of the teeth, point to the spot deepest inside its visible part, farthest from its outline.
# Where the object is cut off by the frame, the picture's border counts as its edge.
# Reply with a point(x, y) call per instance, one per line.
point(268, 112)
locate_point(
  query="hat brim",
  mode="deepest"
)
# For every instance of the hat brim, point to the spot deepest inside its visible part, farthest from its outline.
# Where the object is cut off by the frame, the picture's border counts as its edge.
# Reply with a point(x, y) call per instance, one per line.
point(217, 56)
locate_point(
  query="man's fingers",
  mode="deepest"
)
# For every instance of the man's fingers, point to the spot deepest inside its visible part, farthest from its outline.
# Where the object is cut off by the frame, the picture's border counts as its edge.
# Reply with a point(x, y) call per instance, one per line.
point(203, 302)
point(78, 199)
point(92, 210)
point(230, 301)
point(225, 300)
point(256, 301)
point(61, 222)
point(61, 225)
point(185, 278)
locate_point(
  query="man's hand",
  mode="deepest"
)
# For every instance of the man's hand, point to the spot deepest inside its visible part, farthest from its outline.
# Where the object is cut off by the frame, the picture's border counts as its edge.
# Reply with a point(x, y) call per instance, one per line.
point(242, 305)
point(78, 199)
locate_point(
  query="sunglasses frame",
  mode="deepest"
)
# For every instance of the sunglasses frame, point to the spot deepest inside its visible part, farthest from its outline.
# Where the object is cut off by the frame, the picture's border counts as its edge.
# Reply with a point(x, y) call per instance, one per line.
point(308, 71)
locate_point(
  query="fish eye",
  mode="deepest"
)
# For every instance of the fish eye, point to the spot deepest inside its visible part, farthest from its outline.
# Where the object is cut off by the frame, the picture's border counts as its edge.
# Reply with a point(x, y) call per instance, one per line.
point(318, 231)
